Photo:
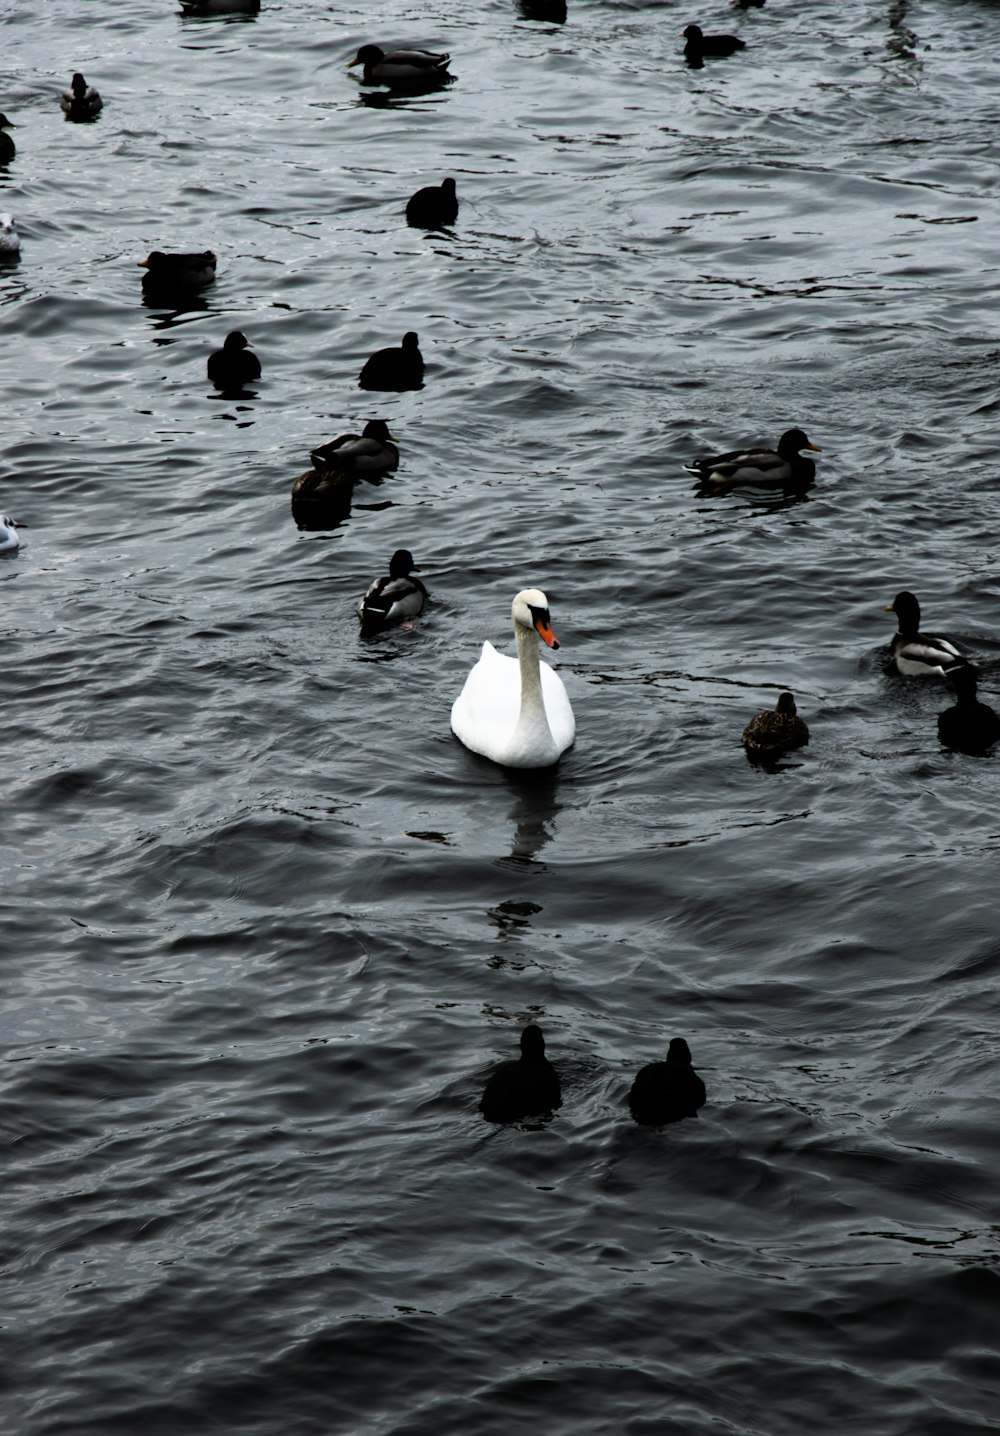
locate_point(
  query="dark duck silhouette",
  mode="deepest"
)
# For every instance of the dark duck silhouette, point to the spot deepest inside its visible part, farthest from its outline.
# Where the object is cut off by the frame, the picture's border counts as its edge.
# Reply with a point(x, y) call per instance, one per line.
point(81, 101)
point(8, 149)
point(527, 1087)
point(373, 451)
point(667, 1091)
point(233, 365)
point(433, 207)
point(783, 465)
point(916, 654)
point(396, 369)
point(176, 274)
point(774, 731)
point(697, 45)
point(395, 598)
point(401, 67)
point(969, 726)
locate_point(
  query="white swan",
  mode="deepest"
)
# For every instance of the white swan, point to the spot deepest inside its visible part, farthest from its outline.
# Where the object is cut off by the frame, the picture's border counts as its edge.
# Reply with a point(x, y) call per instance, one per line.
point(516, 711)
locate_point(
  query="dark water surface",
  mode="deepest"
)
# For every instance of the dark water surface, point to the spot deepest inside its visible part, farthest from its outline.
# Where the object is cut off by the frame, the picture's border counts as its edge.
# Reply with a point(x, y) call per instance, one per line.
point(267, 927)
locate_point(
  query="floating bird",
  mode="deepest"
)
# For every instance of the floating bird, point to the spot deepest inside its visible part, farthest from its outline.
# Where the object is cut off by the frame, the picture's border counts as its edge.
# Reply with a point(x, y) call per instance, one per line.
point(401, 368)
point(8, 149)
point(748, 4)
point(401, 67)
point(220, 7)
point(774, 731)
point(434, 207)
point(371, 452)
point(527, 1087)
point(396, 598)
point(173, 273)
point(667, 1091)
point(232, 366)
point(516, 711)
point(969, 726)
point(81, 101)
point(916, 654)
point(10, 240)
point(697, 45)
point(329, 488)
point(8, 533)
point(781, 466)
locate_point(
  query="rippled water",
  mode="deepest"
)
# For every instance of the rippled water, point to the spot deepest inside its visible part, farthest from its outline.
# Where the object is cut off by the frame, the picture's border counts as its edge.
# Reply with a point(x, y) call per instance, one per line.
point(268, 927)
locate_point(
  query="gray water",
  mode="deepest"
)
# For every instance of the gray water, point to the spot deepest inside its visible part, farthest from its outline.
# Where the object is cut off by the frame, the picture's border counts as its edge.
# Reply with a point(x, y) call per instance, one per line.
point(268, 927)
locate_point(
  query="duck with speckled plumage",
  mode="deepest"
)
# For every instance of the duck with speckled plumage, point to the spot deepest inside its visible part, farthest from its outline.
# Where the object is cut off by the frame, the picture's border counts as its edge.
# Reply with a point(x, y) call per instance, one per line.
point(775, 731)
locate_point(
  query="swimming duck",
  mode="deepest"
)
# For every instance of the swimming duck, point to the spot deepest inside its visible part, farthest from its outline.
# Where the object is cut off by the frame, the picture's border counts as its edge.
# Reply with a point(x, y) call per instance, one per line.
point(8, 149)
point(397, 369)
point(433, 207)
point(667, 1091)
point(10, 240)
point(916, 654)
point(697, 45)
point(527, 1087)
point(395, 598)
point(220, 7)
point(783, 465)
point(775, 730)
point(405, 67)
point(232, 366)
point(516, 711)
point(81, 101)
point(969, 726)
point(167, 272)
point(8, 533)
point(373, 451)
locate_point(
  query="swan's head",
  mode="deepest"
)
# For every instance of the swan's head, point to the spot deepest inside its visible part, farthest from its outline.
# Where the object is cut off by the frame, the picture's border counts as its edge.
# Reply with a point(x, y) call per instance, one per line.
point(531, 610)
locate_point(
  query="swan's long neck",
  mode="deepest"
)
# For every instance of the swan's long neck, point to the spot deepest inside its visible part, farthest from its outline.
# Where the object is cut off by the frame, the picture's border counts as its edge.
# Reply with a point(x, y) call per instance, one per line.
point(532, 716)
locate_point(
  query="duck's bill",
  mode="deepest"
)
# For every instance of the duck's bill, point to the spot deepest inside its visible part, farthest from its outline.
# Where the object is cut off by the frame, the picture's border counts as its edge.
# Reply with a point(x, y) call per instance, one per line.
point(355, 61)
point(143, 263)
point(545, 633)
point(816, 448)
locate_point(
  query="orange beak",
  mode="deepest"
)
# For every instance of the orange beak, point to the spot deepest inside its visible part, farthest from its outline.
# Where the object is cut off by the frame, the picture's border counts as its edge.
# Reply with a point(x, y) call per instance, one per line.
point(544, 630)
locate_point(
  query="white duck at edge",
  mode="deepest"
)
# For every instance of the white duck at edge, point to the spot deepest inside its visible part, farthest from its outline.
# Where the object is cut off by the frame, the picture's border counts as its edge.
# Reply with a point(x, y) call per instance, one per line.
point(515, 711)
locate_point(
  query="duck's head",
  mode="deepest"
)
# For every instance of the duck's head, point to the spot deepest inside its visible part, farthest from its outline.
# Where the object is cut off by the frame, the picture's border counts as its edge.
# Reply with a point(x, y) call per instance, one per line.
point(6, 124)
point(368, 55)
point(155, 257)
point(692, 34)
point(907, 610)
point(793, 440)
point(377, 429)
point(78, 85)
point(236, 341)
point(786, 705)
point(401, 564)
point(532, 1043)
point(410, 341)
point(531, 610)
point(679, 1051)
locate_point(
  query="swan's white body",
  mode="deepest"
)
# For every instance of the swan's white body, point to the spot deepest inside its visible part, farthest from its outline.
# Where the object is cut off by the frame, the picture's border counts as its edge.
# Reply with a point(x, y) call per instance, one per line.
point(10, 240)
point(516, 711)
point(8, 533)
